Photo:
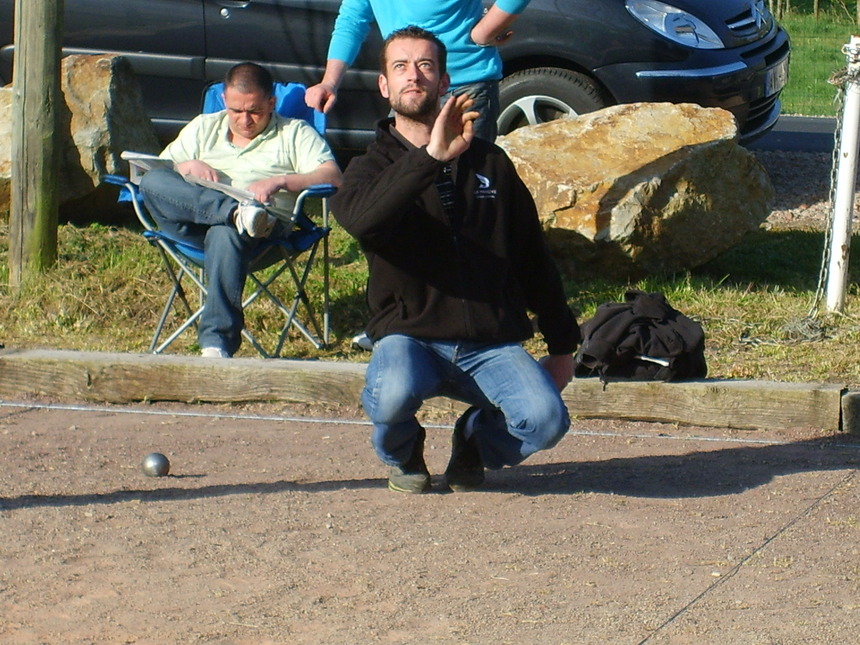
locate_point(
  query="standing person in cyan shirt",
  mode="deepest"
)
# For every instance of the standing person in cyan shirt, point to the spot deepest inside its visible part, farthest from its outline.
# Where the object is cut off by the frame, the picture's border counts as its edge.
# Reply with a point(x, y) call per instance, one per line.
point(470, 35)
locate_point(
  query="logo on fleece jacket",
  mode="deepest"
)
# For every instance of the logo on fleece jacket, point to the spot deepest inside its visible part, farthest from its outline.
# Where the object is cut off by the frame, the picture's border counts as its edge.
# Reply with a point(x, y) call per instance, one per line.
point(484, 190)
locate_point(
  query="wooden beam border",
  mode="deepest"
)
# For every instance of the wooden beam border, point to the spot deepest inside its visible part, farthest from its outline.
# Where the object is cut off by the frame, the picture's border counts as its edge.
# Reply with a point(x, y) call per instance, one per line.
point(126, 378)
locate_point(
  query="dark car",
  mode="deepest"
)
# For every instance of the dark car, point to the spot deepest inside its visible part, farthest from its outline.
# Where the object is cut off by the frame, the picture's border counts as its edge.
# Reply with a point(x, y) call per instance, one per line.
point(566, 56)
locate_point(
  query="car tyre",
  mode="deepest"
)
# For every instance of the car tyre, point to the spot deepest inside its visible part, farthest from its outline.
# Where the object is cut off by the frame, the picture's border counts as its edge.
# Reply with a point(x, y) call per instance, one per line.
point(544, 94)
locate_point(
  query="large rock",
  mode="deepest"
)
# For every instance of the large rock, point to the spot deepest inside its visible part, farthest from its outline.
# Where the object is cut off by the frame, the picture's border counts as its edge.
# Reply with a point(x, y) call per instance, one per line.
point(102, 116)
point(641, 188)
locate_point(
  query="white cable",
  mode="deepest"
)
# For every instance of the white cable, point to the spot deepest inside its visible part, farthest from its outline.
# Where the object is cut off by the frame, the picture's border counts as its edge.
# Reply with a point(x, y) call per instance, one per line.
point(359, 422)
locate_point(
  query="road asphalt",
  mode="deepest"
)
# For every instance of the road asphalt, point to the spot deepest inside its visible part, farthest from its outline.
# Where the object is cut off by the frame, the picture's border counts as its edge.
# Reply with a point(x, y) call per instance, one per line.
point(798, 133)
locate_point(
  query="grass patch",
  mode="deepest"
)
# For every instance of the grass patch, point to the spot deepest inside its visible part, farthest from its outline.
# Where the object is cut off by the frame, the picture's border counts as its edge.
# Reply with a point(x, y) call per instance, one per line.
point(106, 294)
point(816, 53)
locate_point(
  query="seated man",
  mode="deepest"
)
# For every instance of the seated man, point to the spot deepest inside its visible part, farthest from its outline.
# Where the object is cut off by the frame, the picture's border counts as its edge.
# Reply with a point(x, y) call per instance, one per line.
point(456, 257)
point(247, 146)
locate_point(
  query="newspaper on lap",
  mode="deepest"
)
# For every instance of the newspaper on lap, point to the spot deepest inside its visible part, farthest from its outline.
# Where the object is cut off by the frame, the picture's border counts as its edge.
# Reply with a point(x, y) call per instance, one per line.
point(140, 162)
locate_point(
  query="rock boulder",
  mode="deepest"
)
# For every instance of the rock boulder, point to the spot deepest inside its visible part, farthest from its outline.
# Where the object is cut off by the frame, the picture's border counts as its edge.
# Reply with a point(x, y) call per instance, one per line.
point(641, 188)
point(102, 116)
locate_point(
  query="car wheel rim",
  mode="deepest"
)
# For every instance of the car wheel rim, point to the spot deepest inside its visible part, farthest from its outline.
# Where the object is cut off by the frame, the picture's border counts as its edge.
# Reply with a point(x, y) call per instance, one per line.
point(531, 110)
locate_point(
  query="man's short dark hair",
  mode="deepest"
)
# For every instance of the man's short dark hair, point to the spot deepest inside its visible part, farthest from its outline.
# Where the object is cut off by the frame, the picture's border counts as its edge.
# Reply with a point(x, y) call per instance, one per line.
point(250, 77)
point(420, 34)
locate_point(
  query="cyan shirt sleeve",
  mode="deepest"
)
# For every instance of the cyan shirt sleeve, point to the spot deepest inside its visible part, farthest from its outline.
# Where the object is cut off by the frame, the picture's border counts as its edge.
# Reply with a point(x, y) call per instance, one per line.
point(512, 6)
point(350, 29)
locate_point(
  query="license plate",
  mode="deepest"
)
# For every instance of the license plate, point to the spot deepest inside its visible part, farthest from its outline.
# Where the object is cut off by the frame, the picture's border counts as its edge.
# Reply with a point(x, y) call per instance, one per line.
point(776, 77)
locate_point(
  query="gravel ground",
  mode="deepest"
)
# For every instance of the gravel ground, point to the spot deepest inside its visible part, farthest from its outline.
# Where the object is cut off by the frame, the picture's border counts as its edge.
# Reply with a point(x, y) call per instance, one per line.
point(273, 530)
point(802, 184)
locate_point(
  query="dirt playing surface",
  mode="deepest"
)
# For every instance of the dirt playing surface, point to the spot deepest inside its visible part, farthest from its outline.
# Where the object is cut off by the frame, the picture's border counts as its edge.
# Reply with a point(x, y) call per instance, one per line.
point(272, 529)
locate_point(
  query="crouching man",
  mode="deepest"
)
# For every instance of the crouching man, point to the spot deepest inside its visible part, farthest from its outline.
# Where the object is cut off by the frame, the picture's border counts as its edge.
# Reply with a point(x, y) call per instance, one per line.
point(457, 258)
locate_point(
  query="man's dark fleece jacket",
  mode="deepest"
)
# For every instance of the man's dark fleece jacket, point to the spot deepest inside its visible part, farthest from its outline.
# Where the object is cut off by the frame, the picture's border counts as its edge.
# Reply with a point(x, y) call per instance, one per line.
point(469, 272)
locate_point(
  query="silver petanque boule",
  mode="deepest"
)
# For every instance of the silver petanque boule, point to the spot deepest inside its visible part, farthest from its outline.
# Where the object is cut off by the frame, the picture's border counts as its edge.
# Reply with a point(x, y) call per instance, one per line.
point(155, 465)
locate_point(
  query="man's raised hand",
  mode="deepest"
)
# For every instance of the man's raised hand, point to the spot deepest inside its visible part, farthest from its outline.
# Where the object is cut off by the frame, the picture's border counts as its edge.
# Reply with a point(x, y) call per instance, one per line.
point(453, 129)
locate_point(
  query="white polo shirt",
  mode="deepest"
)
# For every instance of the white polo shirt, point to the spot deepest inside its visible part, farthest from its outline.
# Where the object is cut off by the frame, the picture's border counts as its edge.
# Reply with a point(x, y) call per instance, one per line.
point(286, 146)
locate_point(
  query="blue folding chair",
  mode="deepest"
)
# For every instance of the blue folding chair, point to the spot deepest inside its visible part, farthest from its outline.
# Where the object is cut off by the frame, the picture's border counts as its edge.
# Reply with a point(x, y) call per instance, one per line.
point(296, 254)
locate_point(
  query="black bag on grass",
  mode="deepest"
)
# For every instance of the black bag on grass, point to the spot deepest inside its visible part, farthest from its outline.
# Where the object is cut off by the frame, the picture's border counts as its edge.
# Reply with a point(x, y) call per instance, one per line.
point(641, 339)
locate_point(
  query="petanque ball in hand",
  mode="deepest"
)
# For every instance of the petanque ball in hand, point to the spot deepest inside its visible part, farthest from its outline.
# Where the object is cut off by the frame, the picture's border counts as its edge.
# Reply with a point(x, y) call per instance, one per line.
point(155, 465)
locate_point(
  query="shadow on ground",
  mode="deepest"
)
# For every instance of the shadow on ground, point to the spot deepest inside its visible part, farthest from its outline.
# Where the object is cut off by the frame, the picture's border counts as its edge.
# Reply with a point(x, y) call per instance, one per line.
point(697, 474)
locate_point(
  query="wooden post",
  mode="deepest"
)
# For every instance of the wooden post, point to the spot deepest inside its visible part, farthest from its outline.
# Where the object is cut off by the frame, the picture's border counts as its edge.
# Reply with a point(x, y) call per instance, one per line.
point(35, 144)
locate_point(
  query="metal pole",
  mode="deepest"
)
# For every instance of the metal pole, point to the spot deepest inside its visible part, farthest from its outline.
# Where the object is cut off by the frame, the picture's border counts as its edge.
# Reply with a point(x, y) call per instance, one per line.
point(843, 205)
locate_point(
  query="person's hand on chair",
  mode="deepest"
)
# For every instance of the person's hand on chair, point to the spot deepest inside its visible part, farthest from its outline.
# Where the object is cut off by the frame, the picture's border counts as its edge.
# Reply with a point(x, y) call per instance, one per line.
point(264, 190)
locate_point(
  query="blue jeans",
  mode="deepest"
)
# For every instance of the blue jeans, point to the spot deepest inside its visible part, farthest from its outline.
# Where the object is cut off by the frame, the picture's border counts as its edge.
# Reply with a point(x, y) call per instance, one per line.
point(521, 410)
point(204, 218)
point(486, 97)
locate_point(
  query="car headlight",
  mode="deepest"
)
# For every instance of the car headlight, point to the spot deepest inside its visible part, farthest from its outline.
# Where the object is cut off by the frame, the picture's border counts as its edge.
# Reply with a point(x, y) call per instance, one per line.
point(675, 24)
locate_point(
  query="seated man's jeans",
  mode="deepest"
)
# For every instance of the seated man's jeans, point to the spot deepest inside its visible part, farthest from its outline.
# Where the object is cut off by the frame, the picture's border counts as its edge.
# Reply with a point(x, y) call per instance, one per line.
point(204, 218)
point(521, 409)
